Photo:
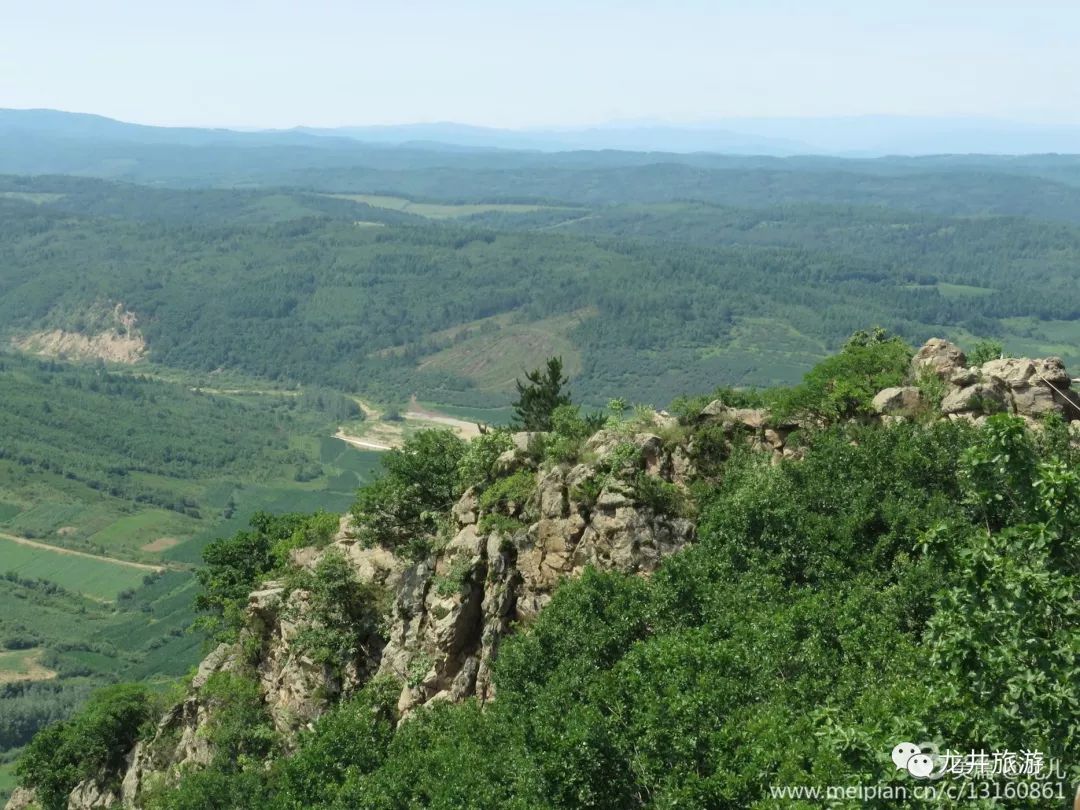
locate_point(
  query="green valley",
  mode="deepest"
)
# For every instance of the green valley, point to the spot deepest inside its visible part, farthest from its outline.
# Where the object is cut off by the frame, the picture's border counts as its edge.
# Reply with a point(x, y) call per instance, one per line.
point(111, 483)
point(715, 544)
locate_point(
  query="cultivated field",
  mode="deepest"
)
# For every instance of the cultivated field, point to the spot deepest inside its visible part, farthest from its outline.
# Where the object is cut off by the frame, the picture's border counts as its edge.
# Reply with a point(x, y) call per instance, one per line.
point(97, 577)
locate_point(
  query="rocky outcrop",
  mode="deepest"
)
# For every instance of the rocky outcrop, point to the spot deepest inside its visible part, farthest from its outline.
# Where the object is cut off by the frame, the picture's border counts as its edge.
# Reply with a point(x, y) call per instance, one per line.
point(21, 799)
point(452, 612)
point(89, 794)
point(295, 689)
point(1031, 388)
point(979, 397)
point(448, 613)
point(500, 562)
point(753, 426)
point(180, 739)
point(1035, 387)
point(938, 357)
point(899, 401)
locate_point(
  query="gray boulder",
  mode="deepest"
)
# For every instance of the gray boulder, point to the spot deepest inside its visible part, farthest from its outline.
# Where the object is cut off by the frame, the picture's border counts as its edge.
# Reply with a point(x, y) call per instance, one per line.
point(895, 401)
point(939, 357)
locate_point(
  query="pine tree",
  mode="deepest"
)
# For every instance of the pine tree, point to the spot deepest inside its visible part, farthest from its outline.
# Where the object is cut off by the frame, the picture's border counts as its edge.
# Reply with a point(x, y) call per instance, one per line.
point(539, 396)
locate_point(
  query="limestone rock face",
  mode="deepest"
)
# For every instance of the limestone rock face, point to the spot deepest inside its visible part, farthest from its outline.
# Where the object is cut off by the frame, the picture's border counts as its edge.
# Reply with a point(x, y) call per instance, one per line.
point(755, 425)
point(939, 357)
point(618, 509)
point(179, 740)
point(1036, 387)
point(980, 397)
point(295, 689)
point(452, 612)
point(901, 400)
point(88, 794)
point(21, 799)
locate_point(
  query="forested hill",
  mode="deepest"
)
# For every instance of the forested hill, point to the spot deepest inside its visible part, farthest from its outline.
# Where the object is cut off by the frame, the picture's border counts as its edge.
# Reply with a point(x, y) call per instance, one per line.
point(37, 142)
point(706, 609)
point(391, 296)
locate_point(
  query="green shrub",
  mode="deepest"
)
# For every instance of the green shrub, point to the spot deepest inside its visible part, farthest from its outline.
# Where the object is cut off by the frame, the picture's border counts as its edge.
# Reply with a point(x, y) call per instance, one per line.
point(663, 497)
point(455, 580)
point(317, 531)
point(352, 738)
point(239, 729)
point(477, 465)
point(569, 430)
point(401, 509)
point(503, 524)
point(932, 389)
point(92, 744)
point(985, 351)
point(511, 493)
point(843, 385)
point(344, 613)
point(233, 567)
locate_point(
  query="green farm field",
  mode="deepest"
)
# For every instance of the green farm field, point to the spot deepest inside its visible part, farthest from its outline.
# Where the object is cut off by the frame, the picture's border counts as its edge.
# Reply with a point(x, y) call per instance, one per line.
point(99, 578)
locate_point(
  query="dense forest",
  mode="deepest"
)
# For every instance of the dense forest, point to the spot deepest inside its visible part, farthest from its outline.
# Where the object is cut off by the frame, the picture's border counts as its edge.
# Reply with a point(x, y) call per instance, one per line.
point(132, 468)
point(645, 300)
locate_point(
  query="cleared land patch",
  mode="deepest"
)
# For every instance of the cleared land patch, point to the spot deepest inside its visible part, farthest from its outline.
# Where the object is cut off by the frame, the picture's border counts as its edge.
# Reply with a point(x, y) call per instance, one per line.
point(161, 544)
point(35, 197)
point(23, 665)
point(443, 210)
point(496, 357)
point(377, 434)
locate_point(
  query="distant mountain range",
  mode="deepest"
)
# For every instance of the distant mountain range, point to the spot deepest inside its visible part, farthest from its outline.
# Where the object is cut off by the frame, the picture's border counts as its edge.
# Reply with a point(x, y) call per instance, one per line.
point(863, 136)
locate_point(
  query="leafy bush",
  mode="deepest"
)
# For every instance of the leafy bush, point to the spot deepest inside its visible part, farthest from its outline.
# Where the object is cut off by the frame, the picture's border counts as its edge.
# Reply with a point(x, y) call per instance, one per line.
point(663, 497)
point(985, 351)
point(510, 493)
point(455, 580)
point(316, 531)
point(240, 729)
point(351, 739)
point(92, 744)
point(843, 385)
point(477, 465)
point(233, 567)
point(688, 409)
point(344, 613)
point(420, 481)
point(503, 524)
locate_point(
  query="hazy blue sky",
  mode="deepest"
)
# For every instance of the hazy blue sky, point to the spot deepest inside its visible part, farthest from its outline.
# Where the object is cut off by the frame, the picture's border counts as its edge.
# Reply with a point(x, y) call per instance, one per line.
point(523, 63)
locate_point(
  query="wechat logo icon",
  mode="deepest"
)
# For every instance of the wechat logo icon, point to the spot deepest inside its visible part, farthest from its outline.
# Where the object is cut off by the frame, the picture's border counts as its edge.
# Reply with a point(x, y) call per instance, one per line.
point(918, 760)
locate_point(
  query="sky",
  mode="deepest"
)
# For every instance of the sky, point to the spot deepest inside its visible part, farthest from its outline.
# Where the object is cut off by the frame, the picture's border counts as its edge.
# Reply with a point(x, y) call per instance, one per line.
point(553, 63)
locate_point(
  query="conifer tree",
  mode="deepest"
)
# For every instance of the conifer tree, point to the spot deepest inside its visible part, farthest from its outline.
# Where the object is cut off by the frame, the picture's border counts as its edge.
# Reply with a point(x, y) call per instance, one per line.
point(540, 395)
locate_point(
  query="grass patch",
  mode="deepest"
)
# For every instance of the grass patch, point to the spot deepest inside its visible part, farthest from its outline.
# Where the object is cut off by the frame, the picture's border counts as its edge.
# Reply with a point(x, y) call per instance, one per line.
point(962, 290)
point(8, 782)
point(35, 197)
point(140, 532)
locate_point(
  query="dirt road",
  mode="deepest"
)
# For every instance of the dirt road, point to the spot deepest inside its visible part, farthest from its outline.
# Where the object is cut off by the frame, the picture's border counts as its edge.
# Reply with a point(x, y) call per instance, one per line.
point(157, 569)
